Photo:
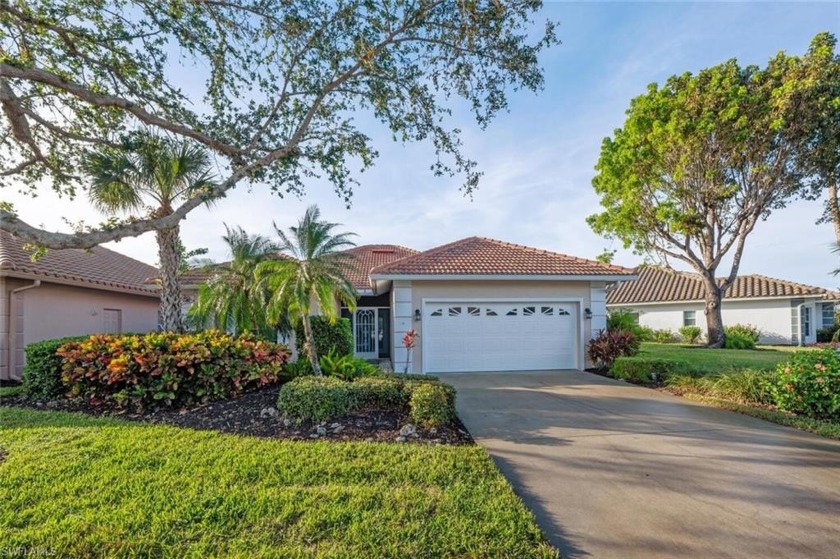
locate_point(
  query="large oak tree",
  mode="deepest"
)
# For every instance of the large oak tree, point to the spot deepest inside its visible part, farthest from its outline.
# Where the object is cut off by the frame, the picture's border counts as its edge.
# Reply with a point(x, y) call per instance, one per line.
point(699, 162)
point(281, 87)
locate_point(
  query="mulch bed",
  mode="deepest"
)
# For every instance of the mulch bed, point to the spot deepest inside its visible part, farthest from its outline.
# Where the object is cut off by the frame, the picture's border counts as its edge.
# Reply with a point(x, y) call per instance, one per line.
point(254, 414)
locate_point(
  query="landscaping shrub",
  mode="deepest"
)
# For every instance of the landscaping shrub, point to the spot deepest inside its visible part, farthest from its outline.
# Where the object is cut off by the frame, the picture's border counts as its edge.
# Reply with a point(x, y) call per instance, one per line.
point(826, 335)
point(316, 398)
point(300, 368)
point(741, 336)
point(336, 338)
point(746, 386)
point(645, 333)
point(168, 369)
point(610, 345)
point(346, 367)
point(42, 372)
point(323, 398)
point(809, 384)
point(645, 369)
point(662, 336)
point(691, 334)
point(432, 405)
point(412, 377)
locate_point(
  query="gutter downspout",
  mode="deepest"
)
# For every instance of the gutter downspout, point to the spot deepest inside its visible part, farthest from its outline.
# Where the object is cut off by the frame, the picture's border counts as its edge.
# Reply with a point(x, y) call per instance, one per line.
point(12, 334)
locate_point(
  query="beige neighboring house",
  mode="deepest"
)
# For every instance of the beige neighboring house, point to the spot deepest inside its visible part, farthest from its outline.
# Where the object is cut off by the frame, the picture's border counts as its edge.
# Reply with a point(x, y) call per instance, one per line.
point(786, 312)
point(69, 292)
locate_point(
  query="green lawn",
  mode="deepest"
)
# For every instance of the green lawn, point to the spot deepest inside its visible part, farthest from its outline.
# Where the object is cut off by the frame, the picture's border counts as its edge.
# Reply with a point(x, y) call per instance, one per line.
point(78, 486)
point(706, 361)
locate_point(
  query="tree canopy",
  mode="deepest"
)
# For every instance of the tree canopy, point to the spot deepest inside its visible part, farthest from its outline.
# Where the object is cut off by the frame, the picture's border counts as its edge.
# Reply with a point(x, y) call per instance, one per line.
point(699, 161)
point(280, 87)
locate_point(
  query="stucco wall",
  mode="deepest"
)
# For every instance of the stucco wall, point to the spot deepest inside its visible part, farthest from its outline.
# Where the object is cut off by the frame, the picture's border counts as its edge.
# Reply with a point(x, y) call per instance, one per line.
point(54, 311)
point(419, 290)
point(771, 316)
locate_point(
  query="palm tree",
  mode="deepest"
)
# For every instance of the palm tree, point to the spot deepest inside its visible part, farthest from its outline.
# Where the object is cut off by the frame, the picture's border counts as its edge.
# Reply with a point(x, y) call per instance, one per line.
point(314, 273)
point(233, 298)
point(157, 173)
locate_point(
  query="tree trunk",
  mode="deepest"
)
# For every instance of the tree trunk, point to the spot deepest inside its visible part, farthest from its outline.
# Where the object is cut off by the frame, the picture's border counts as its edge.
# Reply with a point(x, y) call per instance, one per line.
point(170, 295)
point(309, 345)
point(834, 210)
point(714, 318)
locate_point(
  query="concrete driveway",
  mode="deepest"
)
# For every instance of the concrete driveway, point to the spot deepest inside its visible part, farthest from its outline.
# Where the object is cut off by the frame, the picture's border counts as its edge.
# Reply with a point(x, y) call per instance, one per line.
point(615, 470)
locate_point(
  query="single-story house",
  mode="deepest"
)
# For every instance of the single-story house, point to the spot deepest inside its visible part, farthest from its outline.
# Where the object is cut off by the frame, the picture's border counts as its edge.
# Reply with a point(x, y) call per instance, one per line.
point(786, 312)
point(479, 304)
point(68, 292)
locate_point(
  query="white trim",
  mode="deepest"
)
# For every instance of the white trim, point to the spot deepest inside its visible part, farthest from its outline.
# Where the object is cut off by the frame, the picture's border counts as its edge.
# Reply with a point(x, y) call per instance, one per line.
point(500, 277)
point(576, 300)
point(724, 299)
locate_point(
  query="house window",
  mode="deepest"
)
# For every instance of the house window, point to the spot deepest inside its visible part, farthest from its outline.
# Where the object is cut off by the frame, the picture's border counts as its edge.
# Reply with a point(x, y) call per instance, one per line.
point(689, 318)
point(827, 315)
point(112, 321)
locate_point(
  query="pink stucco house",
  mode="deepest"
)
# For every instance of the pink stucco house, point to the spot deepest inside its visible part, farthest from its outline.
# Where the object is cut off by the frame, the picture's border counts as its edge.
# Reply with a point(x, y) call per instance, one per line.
point(68, 293)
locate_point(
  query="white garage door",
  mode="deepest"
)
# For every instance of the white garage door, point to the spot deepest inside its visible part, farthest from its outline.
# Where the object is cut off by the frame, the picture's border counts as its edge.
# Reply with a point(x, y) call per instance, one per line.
point(498, 336)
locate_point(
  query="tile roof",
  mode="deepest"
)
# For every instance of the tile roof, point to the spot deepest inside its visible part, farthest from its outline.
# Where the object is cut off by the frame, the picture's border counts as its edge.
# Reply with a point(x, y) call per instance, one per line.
point(480, 256)
point(368, 257)
point(657, 285)
point(99, 267)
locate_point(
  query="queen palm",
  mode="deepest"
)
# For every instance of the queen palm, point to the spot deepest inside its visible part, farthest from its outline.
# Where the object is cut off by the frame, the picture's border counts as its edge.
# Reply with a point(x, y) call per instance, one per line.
point(314, 273)
point(156, 174)
point(233, 298)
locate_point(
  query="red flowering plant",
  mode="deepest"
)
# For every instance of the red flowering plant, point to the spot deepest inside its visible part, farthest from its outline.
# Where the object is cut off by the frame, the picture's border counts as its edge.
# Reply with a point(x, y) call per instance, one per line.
point(409, 341)
point(809, 384)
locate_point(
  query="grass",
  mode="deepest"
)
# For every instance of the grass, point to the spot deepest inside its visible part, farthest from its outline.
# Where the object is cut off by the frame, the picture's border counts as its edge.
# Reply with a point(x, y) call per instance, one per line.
point(8, 391)
point(823, 428)
point(706, 361)
point(78, 486)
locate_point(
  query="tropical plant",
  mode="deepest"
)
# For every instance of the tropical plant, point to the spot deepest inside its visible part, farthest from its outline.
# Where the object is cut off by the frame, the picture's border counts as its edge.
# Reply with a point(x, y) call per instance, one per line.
point(809, 384)
point(314, 273)
point(700, 161)
point(233, 298)
point(161, 173)
point(610, 345)
point(691, 334)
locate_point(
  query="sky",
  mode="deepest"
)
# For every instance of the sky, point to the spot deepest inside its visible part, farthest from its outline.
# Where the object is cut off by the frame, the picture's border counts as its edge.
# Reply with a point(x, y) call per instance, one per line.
point(538, 159)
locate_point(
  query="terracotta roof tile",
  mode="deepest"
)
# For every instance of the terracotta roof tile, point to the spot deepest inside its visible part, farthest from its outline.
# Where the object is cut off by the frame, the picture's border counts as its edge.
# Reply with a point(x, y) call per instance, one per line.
point(481, 256)
point(661, 285)
point(370, 256)
point(99, 267)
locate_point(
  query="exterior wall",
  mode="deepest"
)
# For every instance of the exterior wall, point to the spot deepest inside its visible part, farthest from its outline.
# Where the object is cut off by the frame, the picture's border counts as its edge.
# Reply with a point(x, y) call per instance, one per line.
point(54, 311)
point(772, 316)
point(403, 311)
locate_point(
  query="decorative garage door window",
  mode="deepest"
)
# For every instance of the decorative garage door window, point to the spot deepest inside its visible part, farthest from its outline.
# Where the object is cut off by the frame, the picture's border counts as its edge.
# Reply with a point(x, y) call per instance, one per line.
point(491, 336)
point(502, 310)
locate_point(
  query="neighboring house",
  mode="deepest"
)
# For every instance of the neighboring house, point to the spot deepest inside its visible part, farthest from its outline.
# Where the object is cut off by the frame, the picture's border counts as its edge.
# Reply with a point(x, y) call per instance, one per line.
point(480, 305)
point(68, 292)
point(784, 311)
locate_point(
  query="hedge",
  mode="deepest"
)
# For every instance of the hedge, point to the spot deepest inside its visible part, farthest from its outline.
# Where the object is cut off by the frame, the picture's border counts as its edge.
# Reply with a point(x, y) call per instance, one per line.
point(168, 369)
point(643, 369)
point(42, 372)
point(429, 402)
point(334, 338)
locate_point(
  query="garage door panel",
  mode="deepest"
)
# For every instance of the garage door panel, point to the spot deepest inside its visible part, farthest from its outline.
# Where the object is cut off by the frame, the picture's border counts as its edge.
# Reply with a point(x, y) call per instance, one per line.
point(499, 336)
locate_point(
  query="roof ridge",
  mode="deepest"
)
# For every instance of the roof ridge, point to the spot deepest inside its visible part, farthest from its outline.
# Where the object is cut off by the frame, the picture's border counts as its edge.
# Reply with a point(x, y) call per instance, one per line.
point(553, 253)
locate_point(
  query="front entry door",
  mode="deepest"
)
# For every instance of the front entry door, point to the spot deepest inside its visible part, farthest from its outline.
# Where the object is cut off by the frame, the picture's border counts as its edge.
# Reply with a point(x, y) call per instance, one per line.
point(366, 333)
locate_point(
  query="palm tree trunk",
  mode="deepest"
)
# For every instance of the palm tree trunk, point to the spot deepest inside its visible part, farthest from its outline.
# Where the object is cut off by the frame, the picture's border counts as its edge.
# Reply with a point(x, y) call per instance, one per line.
point(170, 296)
point(309, 345)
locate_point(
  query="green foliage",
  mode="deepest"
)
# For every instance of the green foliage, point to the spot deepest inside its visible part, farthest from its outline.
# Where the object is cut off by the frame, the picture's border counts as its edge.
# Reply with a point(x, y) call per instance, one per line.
point(621, 320)
point(346, 367)
point(409, 377)
point(316, 398)
point(142, 490)
point(330, 337)
point(432, 404)
point(662, 336)
point(323, 398)
point(232, 298)
point(645, 333)
point(610, 345)
point(42, 372)
point(298, 368)
point(691, 334)
point(826, 335)
point(809, 384)
point(645, 370)
point(741, 336)
point(165, 369)
point(746, 386)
